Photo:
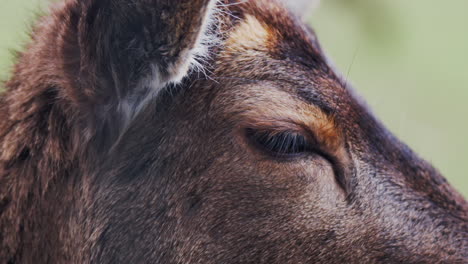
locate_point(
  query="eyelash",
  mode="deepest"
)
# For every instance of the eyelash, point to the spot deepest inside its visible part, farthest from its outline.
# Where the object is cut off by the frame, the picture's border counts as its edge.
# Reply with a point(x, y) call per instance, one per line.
point(279, 144)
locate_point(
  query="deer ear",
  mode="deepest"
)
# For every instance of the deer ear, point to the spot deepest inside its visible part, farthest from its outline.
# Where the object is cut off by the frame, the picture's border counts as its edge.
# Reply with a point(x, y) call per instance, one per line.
point(301, 7)
point(131, 49)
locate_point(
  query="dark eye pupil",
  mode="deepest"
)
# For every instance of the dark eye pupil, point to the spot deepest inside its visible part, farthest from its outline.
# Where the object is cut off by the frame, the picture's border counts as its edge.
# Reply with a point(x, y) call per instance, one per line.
point(279, 143)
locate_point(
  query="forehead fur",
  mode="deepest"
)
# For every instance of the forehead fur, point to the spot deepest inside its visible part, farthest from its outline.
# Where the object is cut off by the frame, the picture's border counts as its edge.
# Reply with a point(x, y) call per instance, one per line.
point(251, 35)
point(287, 36)
point(264, 41)
point(261, 34)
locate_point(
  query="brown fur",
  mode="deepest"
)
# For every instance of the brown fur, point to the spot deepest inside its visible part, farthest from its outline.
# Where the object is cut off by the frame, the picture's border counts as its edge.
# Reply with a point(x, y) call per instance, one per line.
point(87, 177)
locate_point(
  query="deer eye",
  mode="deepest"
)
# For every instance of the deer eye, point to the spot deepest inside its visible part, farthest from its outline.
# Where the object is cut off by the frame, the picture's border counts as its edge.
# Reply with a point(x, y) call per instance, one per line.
point(279, 144)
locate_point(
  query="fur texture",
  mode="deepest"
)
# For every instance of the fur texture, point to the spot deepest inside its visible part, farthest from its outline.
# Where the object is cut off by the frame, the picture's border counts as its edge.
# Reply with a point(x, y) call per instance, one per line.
point(102, 161)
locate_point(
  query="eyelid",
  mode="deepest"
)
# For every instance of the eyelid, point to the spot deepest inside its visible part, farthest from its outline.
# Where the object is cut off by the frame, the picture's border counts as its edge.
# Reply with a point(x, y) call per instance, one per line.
point(315, 147)
point(282, 126)
point(279, 143)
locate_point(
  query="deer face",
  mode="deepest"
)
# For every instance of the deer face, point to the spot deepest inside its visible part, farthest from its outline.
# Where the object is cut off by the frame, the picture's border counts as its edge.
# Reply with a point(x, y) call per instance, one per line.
point(272, 159)
point(268, 157)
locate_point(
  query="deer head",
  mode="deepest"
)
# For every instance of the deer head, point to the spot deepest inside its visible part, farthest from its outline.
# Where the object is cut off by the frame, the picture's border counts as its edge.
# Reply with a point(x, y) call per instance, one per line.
point(197, 131)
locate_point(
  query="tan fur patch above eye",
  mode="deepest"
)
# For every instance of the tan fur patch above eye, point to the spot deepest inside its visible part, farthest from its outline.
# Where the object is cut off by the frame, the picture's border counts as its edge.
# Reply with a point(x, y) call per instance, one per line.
point(251, 34)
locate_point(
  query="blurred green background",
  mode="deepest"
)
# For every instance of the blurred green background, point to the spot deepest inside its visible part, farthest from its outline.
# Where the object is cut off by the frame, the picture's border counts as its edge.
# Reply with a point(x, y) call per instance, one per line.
point(408, 58)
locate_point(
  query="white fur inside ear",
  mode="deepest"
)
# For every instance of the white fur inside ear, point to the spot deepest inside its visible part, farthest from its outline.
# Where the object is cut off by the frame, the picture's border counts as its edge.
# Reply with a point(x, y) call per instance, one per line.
point(189, 59)
point(195, 58)
point(301, 7)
